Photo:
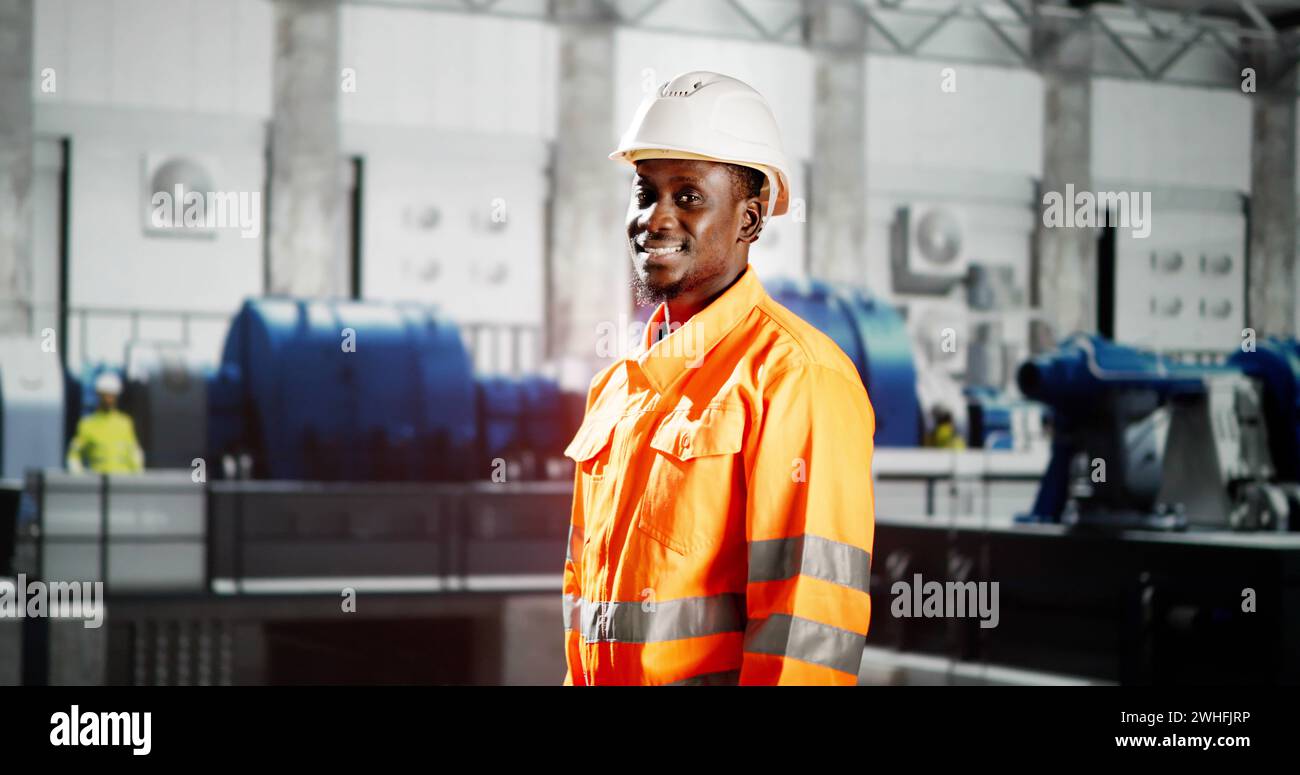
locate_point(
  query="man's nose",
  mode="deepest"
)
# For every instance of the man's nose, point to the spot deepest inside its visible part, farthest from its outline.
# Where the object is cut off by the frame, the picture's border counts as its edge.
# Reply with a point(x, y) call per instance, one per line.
point(660, 216)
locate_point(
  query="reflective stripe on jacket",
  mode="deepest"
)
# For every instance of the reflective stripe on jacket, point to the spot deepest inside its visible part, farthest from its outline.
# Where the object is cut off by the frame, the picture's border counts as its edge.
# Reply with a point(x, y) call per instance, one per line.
point(723, 511)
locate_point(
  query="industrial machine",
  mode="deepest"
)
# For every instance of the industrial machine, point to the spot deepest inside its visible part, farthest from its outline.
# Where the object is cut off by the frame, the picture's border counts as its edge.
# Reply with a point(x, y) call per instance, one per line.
point(31, 424)
point(996, 420)
point(167, 396)
point(31, 407)
point(335, 390)
point(1143, 441)
point(367, 392)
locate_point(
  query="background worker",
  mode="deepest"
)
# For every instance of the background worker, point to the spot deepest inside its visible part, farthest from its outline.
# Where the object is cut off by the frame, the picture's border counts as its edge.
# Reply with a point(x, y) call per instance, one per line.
point(105, 439)
point(944, 434)
point(723, 517)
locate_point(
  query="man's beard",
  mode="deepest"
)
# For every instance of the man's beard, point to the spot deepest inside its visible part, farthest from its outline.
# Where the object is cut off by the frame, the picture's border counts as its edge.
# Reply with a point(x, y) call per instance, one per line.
point(648, 294)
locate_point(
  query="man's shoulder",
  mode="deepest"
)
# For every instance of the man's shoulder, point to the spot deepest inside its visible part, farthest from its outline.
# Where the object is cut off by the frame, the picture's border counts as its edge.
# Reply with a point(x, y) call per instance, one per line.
point(799, 346)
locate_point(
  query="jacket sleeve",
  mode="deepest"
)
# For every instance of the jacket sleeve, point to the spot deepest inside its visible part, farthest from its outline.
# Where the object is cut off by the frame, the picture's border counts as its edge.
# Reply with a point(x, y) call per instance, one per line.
point(572, 588)
point(809, 524)
point(573, 675)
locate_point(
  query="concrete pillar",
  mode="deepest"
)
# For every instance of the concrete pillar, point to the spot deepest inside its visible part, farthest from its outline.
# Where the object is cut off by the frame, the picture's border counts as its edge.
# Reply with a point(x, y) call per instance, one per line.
point(1271, 289)
point(589, 266)
point(1066, 258)
point(306, 223)
point(17, 162)
point(837, 194)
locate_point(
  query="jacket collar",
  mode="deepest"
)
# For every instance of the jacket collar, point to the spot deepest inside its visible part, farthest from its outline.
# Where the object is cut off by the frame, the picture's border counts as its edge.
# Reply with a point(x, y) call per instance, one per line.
point(664, 361)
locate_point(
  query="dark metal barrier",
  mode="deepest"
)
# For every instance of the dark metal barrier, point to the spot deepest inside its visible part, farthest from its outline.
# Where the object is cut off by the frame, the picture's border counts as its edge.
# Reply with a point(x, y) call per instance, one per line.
point(300, 537)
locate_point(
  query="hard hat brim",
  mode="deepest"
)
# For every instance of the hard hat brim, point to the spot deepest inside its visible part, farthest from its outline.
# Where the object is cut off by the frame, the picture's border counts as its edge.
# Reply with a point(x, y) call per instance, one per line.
point(635, 153)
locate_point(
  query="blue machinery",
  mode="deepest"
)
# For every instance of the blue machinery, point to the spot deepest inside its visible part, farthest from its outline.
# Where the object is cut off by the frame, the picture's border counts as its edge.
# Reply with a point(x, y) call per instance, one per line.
point(351, 391)
point(1142, 441)
point(873, 335)
point(330, 391)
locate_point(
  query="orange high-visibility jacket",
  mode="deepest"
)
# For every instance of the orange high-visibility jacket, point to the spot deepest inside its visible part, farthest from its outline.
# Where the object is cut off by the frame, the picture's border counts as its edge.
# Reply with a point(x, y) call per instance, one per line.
point(722, 506)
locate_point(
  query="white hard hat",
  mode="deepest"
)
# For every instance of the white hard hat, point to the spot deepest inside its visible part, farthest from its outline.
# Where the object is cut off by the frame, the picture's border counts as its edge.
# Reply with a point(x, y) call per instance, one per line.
point(714, 117)
point(108, 382)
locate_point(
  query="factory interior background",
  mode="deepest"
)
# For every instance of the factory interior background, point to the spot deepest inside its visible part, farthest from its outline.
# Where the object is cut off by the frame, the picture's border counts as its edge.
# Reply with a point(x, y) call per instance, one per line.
point(353, 385)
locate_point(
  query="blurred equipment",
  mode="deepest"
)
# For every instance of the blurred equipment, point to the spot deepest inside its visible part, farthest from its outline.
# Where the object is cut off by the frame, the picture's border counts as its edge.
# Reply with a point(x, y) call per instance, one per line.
point(1142, 441)
point(874, 337)
point(105, 439)
point(992, 287)
point(1134, 607)
point(138, 533)
point(926, 249)
point(997, 420)
point(31, 407)
point(337, 390)
point(709, 116)
point(987, 362)
point(941, 334)
point(167, 395)
point(521, 420)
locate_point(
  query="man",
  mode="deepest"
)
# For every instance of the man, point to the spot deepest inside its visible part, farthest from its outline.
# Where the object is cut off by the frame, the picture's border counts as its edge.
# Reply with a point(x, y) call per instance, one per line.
point(722, 515)
point(106, 437)
point(944, 433)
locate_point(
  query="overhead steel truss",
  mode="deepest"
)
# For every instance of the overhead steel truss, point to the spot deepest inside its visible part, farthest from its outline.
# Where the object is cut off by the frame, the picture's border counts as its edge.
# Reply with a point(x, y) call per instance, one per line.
point(1193, 42)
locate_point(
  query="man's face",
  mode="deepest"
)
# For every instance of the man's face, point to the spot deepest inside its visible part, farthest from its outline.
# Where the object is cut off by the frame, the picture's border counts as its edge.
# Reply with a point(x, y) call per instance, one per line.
point(107, 400)
point(686, 228)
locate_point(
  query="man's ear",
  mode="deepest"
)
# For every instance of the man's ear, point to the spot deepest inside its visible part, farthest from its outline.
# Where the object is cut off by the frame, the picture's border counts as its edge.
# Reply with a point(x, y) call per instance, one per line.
point(751, 220)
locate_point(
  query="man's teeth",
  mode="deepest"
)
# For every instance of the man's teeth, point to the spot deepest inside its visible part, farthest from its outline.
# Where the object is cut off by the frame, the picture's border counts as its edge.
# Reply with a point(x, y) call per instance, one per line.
point(663, 251)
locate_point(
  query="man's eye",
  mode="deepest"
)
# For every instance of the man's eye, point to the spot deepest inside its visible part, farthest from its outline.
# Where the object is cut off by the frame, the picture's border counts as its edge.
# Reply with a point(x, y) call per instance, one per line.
point(642, 197)
point(689, 198)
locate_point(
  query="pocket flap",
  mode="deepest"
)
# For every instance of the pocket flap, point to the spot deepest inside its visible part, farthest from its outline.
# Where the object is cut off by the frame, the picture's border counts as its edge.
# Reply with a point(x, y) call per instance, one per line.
point(591, 438)
point(715, 432)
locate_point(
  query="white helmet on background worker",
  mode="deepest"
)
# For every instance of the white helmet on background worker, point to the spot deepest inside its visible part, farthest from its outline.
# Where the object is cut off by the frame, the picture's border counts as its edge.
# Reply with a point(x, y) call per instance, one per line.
point(108, 382)
point(713, 117)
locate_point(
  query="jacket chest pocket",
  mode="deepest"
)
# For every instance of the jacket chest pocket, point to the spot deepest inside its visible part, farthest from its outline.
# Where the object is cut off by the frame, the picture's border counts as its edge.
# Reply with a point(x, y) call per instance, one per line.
point(690, 487)
point(590, 447)
point(591, 450)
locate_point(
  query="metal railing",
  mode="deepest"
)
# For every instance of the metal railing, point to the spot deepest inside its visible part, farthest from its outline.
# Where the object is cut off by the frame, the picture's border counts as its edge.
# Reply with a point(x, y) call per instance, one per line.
point(81, 319)
point(511, 349)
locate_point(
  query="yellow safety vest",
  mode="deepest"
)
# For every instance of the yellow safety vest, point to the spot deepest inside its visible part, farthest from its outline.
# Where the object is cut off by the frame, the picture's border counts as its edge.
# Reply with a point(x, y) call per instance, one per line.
point(106, 442)
point(945, 436)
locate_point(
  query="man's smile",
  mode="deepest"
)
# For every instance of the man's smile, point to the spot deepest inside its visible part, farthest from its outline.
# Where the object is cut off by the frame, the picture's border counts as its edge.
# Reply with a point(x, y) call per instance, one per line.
point(660, 249)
